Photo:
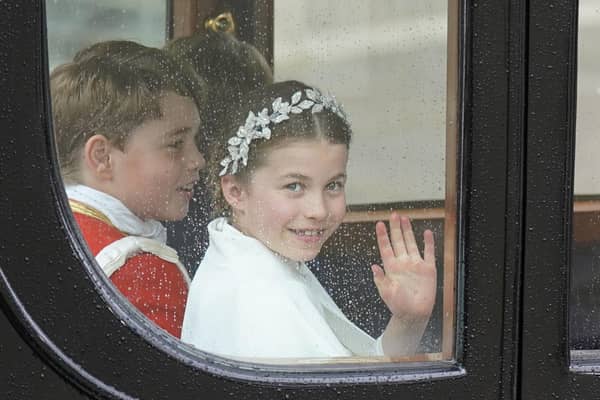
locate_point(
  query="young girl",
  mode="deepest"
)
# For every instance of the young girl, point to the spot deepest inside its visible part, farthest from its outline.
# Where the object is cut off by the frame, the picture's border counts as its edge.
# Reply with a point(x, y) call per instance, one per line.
point(282, 176)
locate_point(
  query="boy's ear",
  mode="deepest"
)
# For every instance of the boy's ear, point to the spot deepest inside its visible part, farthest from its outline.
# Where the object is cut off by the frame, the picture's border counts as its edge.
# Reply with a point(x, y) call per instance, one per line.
point(97, 157)
point(233, 192)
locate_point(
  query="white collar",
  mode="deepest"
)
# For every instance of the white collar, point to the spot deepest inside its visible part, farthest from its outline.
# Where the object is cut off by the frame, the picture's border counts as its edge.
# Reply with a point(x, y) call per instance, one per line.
point(230, 243)
point(118, 214)
point(238, 250)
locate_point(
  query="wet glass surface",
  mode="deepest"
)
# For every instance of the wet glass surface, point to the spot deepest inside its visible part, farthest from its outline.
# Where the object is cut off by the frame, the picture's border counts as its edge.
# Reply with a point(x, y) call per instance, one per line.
point(75, 24)
point(387, 64)
point(398, 154)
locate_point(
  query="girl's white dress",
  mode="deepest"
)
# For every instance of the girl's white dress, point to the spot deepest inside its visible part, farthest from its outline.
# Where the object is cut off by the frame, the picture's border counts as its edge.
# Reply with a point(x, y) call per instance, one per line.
point(247, 302)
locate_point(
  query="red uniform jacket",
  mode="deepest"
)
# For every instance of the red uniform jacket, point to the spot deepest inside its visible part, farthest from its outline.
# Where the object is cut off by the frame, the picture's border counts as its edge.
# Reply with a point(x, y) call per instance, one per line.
point(156, 287)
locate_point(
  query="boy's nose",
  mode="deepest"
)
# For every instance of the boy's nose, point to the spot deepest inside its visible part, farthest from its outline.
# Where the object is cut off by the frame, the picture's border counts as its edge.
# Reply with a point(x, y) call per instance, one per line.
point(195, 158)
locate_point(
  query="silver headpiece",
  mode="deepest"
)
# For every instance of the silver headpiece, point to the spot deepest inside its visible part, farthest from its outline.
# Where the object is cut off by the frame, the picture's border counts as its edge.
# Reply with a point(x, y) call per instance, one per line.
point(257, 125)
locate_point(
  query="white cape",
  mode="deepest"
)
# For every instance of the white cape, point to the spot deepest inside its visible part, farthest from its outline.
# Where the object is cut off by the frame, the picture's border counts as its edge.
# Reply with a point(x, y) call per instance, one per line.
point(247, 302)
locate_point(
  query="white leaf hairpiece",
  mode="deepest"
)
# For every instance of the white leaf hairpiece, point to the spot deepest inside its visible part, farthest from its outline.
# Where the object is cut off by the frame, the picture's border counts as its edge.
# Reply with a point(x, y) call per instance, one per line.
point(257, 125)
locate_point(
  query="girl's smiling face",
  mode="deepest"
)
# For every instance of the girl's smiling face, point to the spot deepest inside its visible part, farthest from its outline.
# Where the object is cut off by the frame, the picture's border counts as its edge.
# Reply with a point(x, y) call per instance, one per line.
point(295, 200)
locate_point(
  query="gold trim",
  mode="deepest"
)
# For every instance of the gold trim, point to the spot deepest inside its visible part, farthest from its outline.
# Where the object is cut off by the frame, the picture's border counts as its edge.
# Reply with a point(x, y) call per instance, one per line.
point(84, 209)
point(221, 23)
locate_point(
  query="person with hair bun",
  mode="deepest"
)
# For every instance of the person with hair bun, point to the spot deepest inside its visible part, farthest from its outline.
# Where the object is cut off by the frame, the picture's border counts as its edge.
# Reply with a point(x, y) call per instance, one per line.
point(229, 68)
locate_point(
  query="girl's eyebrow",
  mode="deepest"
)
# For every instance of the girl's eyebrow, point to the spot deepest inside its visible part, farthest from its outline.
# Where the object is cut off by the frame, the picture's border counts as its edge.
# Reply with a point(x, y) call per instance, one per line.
point(306, 178)
point(296, 176)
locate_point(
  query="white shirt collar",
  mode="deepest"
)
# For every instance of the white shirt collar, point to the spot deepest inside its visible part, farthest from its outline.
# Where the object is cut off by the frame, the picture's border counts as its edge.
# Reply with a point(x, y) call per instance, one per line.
point(118, 214)
point(227, 241)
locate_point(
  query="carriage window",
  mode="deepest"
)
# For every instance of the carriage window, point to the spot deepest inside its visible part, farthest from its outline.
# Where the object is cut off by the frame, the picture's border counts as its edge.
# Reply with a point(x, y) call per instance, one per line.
point(347, 118)
point(585, 266)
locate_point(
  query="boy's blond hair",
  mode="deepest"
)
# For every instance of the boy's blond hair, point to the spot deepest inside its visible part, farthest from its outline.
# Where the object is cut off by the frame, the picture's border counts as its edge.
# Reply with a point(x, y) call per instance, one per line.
point(110, 88)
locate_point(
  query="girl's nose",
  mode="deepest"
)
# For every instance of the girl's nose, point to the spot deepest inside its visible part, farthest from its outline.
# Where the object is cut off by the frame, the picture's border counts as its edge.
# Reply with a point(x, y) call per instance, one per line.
point(316, 207)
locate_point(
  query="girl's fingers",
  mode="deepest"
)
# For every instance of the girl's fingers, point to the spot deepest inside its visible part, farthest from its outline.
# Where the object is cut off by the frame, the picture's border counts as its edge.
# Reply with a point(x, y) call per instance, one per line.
point(409, 238)
point(378, 275)
point(383, 242)
point(396, 235)
point(429, 247)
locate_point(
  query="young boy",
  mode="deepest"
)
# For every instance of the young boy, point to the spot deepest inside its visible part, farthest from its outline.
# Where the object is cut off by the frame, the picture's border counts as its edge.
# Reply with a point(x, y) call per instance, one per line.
point(125, 120)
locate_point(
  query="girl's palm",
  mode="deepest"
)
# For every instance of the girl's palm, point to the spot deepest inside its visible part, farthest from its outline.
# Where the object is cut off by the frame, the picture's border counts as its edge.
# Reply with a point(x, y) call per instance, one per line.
point(407, 281)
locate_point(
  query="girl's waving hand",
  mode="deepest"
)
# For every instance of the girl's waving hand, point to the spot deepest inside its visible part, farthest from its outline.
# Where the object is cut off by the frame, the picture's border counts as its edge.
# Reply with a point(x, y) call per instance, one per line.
point(407, 281)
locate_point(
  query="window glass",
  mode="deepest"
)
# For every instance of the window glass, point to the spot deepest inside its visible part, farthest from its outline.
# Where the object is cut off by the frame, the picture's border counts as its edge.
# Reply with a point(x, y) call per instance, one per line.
point(143, 142)
point(349, 48)
point(387, 63)
point(585, 267)
point(75, 24)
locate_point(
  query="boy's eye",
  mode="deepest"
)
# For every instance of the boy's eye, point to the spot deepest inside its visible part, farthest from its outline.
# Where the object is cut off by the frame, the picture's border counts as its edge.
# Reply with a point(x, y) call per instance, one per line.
point(294, 187)
point(335, 186)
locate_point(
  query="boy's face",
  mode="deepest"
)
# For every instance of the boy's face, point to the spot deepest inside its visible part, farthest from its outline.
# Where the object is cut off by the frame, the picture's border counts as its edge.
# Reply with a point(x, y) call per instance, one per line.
point(155, 173)
point(296, 200)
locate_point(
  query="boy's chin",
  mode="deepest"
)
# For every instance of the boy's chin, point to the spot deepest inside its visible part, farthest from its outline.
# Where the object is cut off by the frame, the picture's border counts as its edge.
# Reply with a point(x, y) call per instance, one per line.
point(174, 216)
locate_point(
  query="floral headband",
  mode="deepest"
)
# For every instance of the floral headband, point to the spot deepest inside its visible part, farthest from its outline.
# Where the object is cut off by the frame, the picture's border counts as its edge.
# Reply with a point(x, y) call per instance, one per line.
point(257, 125)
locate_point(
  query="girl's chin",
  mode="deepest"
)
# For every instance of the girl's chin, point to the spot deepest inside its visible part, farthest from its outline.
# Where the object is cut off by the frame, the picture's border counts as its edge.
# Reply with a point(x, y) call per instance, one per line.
point(304, 256)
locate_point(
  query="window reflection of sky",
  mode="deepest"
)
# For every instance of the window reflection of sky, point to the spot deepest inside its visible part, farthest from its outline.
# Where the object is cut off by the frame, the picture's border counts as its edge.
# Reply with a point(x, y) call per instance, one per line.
point(587, 178)
point(74, 24)
point(386, 62)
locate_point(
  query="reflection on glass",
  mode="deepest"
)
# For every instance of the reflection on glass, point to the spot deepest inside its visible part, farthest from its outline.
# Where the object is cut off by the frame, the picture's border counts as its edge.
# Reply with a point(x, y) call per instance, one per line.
point(75, 24)
point(134, 130)
point(585, 268)
point(387, 65)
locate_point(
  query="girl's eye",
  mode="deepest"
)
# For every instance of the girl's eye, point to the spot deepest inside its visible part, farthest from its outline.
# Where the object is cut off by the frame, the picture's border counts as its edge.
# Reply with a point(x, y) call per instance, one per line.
point(176, 144)
point(335, 186)
point(294, 187)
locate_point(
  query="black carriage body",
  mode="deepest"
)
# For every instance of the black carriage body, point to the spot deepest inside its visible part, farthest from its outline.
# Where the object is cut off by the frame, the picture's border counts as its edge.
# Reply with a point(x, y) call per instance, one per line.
point(65, 335)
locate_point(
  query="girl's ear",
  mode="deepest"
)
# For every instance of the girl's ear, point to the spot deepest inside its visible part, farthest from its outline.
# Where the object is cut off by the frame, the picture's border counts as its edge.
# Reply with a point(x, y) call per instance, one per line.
point(233, 192)
point(97, 157)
